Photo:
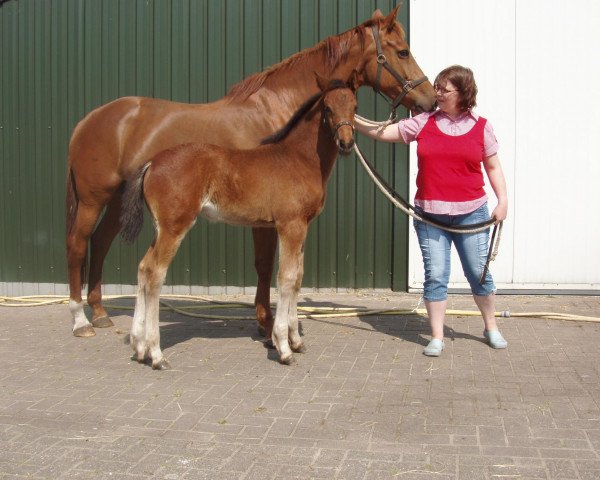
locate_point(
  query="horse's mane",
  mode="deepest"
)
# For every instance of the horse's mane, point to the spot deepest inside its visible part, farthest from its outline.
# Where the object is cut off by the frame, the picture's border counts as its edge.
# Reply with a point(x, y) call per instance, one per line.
point(300, 113)
point(334, 48)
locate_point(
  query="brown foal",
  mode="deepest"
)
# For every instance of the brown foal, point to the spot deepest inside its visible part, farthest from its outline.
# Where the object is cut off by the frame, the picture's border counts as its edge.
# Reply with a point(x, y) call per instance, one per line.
point(280, 185)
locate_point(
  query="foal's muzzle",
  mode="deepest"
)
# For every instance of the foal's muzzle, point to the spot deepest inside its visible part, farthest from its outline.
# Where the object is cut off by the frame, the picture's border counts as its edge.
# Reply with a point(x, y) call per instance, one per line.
point(344, 146)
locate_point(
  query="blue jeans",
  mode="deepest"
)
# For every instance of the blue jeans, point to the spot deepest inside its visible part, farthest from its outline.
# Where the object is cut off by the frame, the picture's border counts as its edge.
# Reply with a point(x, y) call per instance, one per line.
point(472, 250)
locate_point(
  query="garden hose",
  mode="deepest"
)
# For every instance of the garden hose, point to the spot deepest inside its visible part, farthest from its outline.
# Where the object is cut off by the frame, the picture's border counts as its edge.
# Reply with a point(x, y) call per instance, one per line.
point(304, 311)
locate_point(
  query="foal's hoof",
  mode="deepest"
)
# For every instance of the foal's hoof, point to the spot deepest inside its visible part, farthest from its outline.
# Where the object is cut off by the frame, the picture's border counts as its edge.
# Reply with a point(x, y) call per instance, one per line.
point(87, 331)
point(138, 359)
point(102, 322)
point(287, 360)
point(162, 365)
point(299, 349)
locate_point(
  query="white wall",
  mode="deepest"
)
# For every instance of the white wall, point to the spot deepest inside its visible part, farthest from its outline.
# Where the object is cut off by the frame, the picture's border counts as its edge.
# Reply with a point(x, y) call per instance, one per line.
point(537, 66)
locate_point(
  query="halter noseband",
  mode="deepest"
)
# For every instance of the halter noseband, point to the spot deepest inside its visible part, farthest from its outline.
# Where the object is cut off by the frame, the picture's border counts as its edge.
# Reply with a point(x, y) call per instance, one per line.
point(407, 85)
point(339, 125)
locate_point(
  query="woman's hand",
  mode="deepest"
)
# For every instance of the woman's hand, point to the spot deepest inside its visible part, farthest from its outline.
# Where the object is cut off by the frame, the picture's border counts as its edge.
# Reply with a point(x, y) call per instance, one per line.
point(500, 212)
point(493, 168)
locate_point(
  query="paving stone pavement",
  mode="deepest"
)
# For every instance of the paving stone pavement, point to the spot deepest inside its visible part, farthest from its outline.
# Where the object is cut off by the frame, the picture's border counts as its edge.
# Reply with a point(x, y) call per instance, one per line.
point(361, 403)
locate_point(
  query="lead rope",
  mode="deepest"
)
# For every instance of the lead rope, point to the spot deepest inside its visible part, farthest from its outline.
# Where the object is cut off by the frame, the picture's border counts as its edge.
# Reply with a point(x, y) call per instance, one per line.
point(401, 204)
point(492, 252)
point(409, 209)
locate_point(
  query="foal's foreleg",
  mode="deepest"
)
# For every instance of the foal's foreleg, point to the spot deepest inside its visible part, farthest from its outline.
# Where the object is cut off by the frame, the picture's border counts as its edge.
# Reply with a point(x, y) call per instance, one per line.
point(289, 280)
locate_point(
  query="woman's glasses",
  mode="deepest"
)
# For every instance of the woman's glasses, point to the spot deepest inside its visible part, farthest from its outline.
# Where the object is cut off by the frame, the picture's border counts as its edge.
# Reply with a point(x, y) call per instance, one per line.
point(443, 91)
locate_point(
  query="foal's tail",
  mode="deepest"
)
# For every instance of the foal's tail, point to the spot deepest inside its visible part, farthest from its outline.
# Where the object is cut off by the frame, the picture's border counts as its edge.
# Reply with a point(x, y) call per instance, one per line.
point(132, 212)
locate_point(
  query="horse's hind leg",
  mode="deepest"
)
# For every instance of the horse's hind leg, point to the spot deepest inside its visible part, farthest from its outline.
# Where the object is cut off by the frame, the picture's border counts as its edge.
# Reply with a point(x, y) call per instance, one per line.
point(289, 280)
point(77, 240)
point(265, 244)
point(102, 238)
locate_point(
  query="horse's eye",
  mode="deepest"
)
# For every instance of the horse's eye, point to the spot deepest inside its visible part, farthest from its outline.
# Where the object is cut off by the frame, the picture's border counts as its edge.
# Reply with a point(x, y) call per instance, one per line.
point(403, 53)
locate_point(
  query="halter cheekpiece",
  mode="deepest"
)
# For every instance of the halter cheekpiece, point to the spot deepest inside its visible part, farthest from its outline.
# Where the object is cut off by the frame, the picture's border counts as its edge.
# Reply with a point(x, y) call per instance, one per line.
point(382, 62)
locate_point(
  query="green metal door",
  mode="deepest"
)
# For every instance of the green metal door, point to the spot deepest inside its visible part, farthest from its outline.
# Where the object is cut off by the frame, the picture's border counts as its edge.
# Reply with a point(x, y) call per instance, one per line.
point(63, 58)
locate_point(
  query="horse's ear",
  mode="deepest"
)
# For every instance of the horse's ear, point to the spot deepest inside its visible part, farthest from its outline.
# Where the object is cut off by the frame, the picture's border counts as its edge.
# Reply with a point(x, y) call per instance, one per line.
point(377, 15)
point(390, 20)
point(322, 82)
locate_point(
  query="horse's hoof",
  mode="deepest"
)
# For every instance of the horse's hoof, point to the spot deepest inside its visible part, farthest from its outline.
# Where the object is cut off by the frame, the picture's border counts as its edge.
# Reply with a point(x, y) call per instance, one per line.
point(261, 330)
point(162, 365)
point(299, 349)
point(87, 331)
point(102, 322)
point(287, 360)
point(269, 344)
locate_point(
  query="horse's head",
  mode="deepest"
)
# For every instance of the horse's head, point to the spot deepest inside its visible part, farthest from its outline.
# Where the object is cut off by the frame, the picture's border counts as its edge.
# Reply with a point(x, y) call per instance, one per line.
point(339, 106)
point(389, 66)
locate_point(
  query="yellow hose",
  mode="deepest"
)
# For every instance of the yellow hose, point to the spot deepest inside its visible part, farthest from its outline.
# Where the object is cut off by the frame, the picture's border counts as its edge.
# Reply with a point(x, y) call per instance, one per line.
point(307, 311)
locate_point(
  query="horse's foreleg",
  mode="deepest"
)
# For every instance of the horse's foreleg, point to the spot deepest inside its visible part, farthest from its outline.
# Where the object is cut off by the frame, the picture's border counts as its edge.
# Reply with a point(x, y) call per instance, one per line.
point(102, 238)
point(289, 279)
point(77, 241)
point(265, 244)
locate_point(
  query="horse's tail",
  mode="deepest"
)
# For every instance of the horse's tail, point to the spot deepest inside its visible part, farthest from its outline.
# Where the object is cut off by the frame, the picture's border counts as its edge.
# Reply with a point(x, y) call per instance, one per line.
point(71, 205)
point(71, 199)
point(132, 212)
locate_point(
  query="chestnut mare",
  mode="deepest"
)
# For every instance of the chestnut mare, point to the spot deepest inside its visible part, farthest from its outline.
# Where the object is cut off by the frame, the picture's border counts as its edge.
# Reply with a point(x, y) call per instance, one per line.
point(281, 184)
point(114, 140)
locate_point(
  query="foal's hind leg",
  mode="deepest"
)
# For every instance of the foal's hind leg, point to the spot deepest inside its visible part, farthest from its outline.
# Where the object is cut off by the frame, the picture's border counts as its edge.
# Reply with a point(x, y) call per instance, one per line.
point(137, 335)
point(265, 244)
point(102, 238)
point(145, 337)
point(289, 279)
point(77, 240)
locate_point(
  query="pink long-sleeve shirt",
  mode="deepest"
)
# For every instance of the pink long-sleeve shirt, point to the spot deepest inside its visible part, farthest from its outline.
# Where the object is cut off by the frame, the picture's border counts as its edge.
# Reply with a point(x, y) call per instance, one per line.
point(408, 130)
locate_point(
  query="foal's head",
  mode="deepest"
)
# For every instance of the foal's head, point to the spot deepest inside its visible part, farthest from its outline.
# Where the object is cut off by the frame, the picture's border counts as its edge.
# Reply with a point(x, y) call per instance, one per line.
point(339, 107)
point(337, 101)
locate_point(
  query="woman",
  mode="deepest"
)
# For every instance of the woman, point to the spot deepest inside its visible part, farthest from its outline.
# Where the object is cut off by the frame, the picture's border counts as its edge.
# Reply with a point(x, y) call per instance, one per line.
point(452, 142)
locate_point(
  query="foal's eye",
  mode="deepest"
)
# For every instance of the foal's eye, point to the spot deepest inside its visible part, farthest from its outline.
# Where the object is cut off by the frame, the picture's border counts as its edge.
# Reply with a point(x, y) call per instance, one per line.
point(403, 53)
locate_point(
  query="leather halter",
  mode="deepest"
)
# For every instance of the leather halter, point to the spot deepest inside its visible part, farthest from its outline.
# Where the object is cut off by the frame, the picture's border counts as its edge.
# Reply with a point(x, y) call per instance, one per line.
point(339, 125)
point(382, 62)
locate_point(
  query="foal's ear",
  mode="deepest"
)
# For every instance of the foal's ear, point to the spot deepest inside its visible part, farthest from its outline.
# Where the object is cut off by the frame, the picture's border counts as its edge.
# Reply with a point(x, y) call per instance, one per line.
point(390, 20)
point(323, 83)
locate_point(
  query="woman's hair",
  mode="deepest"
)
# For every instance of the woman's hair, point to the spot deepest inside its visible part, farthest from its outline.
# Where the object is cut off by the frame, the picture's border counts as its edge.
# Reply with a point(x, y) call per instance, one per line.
point(462, 78)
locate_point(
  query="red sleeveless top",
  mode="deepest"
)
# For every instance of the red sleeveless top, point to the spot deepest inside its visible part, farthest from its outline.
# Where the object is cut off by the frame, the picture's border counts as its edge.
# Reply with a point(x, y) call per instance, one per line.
point(450, 166)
